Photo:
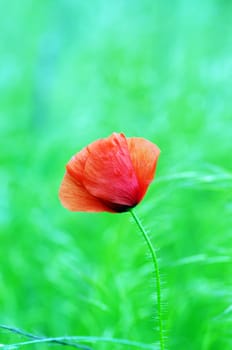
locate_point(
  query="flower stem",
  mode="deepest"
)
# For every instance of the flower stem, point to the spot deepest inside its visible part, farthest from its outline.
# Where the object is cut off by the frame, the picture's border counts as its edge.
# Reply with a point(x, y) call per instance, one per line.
point(157, 275)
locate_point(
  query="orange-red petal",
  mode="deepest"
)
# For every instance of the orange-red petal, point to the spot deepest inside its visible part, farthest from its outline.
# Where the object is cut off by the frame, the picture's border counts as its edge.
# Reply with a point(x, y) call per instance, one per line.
point(144, 155)
point(76, 165)
point(109, 174)
point(75, 197)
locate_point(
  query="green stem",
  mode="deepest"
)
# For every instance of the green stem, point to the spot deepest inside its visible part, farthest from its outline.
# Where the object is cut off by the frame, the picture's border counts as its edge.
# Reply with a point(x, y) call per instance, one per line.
point(157, 275)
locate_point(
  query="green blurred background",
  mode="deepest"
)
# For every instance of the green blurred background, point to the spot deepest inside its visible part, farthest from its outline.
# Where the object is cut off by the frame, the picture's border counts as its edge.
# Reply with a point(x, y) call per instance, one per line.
point(70, 72)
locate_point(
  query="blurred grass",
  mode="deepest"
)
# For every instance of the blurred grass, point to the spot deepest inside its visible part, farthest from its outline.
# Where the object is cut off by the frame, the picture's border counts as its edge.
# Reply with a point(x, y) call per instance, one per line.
point(75, 71)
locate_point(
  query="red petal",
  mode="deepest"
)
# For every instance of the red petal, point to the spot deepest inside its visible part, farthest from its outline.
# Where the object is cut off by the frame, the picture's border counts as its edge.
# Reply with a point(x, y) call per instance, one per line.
point(109, 173)
point(74, 196)
point(75, 166)
point(144, 156)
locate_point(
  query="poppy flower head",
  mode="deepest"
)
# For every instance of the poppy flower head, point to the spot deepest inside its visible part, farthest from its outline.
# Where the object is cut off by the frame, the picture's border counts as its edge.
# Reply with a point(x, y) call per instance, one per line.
point(111, 174)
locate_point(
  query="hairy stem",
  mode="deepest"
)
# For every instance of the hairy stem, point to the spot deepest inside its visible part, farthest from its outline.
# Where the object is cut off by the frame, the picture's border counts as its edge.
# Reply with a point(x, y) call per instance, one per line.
point(157, 276)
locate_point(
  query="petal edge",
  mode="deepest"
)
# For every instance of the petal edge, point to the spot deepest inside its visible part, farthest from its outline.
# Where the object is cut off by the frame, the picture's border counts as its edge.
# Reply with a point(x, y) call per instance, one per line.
point(75, 197)
point(144, 155)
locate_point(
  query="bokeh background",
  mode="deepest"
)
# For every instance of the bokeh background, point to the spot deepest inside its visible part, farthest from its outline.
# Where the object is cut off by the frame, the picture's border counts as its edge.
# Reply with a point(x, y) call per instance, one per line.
point(71, 72)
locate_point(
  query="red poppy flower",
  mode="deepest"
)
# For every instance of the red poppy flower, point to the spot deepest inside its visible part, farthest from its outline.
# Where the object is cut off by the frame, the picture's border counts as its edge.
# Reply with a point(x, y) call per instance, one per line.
point(110, 174)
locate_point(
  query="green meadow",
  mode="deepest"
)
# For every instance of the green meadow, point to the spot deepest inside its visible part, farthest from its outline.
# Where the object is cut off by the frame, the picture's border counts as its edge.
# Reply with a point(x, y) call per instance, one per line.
point(72, 72)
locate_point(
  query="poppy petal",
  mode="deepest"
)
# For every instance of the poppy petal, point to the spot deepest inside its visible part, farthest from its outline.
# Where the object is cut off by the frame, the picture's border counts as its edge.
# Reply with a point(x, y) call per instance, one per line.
point(75, 166)
point(144, 156)
point(75, 197)
point(109, 173)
